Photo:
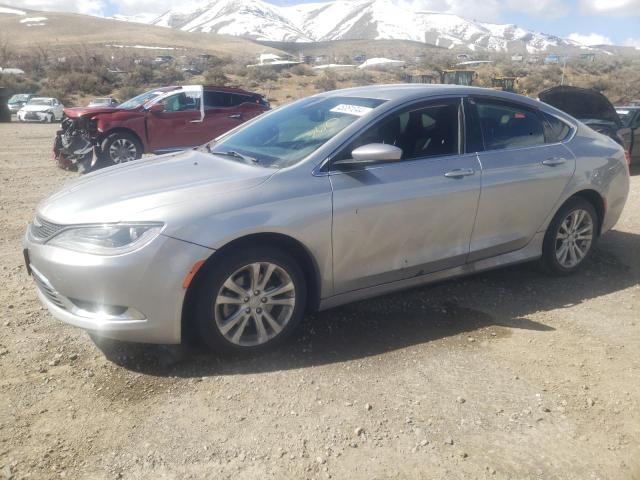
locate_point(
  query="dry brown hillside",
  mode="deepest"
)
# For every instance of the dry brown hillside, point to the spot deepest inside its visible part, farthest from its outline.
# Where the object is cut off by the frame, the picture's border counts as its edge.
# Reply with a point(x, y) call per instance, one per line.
point(62, 30)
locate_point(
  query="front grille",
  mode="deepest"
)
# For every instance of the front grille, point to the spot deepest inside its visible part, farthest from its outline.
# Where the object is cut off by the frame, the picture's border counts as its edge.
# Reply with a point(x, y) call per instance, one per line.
point(48, 291)
point(43, 230)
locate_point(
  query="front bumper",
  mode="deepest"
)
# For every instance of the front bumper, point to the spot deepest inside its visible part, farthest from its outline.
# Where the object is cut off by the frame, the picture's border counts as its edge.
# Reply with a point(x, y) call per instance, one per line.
point(33, 116)
point(134, 297)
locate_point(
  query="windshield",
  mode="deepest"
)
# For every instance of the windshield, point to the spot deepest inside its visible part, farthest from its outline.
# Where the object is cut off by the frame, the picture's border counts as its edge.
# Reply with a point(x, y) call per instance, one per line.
point(289, 134)
point(140, 99)
point(19, 98)
point(625, 115)
point(39, 101)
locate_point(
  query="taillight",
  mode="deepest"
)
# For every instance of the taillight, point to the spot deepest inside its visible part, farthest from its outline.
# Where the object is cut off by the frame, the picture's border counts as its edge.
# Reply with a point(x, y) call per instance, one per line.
point(627, 156)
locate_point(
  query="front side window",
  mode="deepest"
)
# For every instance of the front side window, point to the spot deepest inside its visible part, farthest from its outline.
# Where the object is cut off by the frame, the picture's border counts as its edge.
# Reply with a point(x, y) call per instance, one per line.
point(289, 134)
point(182, 102)
point(427, 131)
point(507, 125)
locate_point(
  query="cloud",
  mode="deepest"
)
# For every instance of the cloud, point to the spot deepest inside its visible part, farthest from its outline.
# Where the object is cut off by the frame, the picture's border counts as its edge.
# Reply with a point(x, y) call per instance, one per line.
point(632, 42)
point(550, 9)
point(89, 7)
point(611, 7)
point(486, 11)
point(590, 39)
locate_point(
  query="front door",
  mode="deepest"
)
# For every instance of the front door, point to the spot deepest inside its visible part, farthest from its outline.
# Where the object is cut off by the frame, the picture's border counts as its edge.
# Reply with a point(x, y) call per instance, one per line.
point(523, 176)
point(178, 125)
point(405, 218)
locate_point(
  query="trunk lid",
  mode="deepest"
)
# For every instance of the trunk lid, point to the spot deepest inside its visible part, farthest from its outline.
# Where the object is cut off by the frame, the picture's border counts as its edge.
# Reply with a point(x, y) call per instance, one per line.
point(587, 105)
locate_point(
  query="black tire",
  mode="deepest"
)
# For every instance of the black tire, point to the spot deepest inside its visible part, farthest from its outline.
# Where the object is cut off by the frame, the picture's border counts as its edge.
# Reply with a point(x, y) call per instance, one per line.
point(211, 281)
point(551, 244)
point(114, 138)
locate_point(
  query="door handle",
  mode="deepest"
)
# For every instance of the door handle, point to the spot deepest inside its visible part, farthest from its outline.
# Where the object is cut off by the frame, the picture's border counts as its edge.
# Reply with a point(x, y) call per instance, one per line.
point(554, 161)
point(460, 172)
point(235, 115)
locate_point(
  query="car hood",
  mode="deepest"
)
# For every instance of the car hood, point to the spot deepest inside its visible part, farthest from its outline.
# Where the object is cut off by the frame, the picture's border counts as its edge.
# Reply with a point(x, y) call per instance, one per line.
point(150, 189)
point(76, 112)
point(36, 108)
point(581, 103)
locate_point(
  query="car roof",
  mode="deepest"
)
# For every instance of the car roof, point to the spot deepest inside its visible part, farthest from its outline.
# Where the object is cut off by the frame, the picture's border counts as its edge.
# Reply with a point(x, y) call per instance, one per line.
point(220, 88)
point(628, 107)
point(415, 91)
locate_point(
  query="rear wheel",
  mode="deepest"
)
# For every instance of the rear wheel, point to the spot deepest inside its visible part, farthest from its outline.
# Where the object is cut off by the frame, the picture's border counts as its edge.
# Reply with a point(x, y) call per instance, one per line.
point(570, 237)
point(121, 147)
point(250, 300)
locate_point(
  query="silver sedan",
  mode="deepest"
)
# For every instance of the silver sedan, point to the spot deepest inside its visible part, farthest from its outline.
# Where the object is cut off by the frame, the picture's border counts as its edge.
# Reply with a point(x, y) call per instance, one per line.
point(334, 198)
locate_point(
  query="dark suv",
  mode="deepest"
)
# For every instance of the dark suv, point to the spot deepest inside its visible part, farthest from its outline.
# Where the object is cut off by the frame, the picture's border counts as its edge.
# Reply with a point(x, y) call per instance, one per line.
point(158, 121)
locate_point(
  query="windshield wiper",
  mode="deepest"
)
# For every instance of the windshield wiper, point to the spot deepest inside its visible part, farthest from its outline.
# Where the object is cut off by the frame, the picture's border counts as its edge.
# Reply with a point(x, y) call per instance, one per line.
point(234, 154)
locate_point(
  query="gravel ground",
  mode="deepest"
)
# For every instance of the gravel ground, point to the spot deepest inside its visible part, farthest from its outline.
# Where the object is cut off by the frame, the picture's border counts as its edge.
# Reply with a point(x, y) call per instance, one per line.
point(508, 374)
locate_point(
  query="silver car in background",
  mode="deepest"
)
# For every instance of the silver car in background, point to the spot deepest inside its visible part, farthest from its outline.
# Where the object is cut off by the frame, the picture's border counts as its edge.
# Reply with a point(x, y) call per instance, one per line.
point(334, 198)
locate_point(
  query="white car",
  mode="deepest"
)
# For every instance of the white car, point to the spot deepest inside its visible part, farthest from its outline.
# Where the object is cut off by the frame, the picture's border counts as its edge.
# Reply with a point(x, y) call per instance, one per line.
point(41, 109)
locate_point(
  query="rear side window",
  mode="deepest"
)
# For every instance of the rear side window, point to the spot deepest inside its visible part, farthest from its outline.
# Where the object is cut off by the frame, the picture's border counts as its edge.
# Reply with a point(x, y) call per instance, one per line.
point(507, 125)
point(222, 99)
point(216, 100)
point(555, 130)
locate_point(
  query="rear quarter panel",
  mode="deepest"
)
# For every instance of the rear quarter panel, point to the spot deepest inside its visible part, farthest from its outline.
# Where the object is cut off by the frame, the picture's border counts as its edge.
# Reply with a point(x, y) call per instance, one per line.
point(600, 166)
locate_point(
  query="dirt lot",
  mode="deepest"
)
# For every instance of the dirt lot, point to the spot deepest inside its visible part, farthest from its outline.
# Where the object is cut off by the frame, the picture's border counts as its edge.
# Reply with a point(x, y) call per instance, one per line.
point(508, 374)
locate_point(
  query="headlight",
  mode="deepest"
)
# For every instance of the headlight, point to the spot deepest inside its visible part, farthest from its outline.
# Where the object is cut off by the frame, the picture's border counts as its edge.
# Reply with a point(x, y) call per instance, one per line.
point(113, 239)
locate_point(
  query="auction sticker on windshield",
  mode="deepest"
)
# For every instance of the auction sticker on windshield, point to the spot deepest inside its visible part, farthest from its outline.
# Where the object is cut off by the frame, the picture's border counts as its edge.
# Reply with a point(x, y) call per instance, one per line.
point(357, 110)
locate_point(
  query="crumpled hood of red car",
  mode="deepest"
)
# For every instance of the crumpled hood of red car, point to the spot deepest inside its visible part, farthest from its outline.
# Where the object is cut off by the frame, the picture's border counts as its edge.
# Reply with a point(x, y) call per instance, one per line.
point(77, 112)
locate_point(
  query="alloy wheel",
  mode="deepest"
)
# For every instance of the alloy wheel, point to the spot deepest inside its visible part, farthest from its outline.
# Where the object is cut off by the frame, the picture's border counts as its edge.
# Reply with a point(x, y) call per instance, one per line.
point(255, 304)
point(574, 238)
point(122, 150)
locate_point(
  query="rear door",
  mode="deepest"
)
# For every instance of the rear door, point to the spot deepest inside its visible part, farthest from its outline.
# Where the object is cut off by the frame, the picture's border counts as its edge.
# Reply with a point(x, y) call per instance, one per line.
point(221, 114)
point(524, 172)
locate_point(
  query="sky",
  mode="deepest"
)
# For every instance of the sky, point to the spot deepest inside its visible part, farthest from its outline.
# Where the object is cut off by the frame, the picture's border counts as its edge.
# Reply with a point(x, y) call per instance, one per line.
point(590, 22)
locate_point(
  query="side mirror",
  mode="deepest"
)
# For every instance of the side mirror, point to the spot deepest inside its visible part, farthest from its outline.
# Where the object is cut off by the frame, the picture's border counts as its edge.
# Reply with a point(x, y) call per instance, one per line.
point(157, 108)
point(372, 153)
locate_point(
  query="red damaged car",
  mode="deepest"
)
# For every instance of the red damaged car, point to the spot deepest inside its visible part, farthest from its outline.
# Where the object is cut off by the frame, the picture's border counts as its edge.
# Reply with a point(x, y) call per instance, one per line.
point(158, 121)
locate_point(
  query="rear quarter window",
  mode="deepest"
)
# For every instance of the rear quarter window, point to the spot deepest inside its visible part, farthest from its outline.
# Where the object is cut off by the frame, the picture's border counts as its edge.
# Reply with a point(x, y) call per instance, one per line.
point(555, 130)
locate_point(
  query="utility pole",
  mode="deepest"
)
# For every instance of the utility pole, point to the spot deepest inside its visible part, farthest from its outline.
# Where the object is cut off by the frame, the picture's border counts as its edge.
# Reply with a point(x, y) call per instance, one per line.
point(564, 66)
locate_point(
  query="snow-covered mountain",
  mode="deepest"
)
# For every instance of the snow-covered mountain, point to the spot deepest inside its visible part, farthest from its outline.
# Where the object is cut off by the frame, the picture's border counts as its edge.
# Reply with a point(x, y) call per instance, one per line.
point(350, 20)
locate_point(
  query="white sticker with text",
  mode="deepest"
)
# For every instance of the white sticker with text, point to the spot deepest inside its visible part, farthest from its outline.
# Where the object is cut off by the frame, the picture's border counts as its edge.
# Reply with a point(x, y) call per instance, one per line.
point(351, 109)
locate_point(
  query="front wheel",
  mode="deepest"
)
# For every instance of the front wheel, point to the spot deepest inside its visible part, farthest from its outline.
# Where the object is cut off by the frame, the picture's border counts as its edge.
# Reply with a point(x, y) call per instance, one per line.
point(570, 237)
point(250, 300)
point(121, 147)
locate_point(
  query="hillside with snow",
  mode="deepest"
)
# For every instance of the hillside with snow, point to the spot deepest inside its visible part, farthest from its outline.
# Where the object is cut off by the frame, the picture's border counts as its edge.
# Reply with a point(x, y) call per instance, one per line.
point(351, 20)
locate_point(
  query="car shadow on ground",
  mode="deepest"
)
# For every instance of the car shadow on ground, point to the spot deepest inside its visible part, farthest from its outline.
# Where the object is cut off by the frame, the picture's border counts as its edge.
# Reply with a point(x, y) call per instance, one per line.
point(487, 305)
point(634, 170)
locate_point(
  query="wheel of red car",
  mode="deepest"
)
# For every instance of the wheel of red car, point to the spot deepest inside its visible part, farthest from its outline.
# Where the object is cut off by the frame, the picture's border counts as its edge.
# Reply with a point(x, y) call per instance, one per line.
point(121, 147)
